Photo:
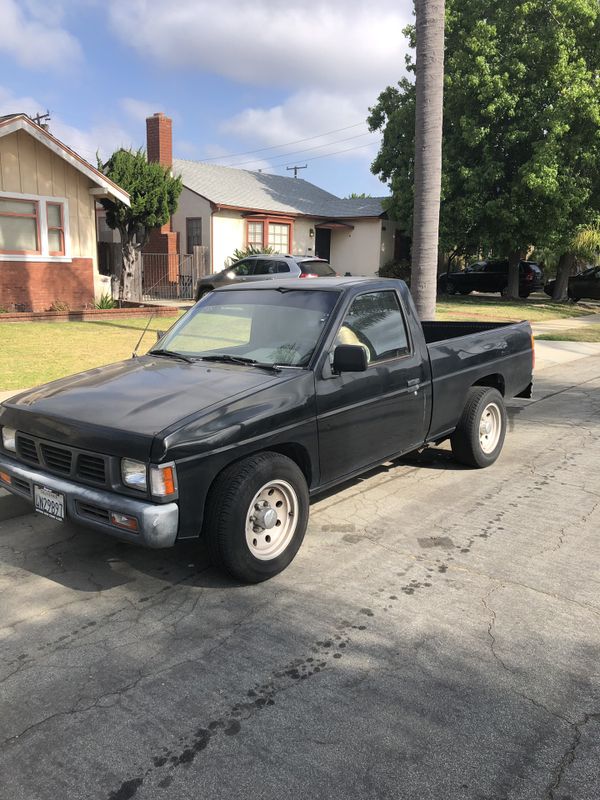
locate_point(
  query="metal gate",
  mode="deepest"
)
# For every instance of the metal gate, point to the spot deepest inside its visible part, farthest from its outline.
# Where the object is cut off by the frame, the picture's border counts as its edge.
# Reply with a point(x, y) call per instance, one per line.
point(171, 276)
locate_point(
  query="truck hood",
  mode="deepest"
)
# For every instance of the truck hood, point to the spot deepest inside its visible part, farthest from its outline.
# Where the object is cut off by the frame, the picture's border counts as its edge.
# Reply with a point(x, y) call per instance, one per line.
point(139, 397)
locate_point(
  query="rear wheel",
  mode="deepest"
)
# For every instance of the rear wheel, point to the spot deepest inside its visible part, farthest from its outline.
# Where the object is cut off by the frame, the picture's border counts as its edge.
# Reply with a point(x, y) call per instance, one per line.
point(450, 288)
point(257, 513)
point(479, 435)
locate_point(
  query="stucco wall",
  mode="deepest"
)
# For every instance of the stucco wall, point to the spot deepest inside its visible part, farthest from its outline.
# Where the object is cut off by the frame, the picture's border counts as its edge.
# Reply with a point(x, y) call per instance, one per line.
point(192, 205)
point(229, 232)
point(387, 240)
point(357, 251)
point(304, 243)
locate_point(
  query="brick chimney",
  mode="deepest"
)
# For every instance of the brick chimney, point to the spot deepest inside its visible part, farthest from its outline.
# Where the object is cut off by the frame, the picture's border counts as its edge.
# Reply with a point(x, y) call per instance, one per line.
point(159, 139)
point(159, 147)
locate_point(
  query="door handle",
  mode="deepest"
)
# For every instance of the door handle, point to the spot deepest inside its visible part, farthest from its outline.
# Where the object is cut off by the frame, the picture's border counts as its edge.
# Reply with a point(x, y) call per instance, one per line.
point(413, 382)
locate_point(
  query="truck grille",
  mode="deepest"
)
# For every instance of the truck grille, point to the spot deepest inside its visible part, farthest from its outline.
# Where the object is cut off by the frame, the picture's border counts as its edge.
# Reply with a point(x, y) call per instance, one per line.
point(57, 458)
point(89, 467)
point(27, 450)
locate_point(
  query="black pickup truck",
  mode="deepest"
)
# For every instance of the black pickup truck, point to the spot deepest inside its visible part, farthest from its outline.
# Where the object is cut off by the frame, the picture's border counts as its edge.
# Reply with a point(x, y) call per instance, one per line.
point(257, 398)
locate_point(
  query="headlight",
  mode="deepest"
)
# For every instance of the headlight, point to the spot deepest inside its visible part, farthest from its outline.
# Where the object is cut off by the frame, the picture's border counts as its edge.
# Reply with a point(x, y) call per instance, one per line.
point(134, 474)
point(163, 480)
point(9, 439)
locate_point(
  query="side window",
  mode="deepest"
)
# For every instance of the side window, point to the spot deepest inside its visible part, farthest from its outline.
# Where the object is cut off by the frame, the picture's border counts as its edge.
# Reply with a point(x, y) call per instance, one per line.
point(282, 266)
point(375, 322)
point(265, 266)
point(243, 267)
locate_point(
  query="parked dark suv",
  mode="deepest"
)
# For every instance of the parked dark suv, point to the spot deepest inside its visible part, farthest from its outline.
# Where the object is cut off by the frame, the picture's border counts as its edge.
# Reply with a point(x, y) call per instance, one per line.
point(264, 266)
point(492, 276)
point(585, 284)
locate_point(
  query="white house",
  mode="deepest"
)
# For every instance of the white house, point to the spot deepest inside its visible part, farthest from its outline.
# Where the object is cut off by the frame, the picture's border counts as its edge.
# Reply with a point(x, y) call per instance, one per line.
point(223, 208)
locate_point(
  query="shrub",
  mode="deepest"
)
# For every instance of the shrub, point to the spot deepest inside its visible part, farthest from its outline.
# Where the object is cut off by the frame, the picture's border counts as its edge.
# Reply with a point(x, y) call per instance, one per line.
point(396, 269)
point(244, 252)
point(60, 305)
point(105, 302)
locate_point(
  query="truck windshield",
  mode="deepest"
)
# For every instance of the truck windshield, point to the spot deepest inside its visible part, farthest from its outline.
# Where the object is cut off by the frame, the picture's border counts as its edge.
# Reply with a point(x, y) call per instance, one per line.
point(269, 326)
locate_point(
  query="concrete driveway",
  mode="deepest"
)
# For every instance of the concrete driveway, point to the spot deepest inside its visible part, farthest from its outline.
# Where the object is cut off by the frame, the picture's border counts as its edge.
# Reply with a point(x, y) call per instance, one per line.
point(438, 636)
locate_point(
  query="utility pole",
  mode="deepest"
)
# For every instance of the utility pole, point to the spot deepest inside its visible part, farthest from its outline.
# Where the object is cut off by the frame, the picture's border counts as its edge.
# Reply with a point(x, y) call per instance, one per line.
point(41, 119)
point(296, 169)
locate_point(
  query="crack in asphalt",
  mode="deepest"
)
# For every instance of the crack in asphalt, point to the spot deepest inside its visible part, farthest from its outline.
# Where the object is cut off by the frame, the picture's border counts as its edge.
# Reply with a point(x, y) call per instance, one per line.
point(569, 756)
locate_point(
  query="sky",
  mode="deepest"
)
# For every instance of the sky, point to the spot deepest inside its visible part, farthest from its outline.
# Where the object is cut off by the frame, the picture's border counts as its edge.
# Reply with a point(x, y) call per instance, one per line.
point(260, 85)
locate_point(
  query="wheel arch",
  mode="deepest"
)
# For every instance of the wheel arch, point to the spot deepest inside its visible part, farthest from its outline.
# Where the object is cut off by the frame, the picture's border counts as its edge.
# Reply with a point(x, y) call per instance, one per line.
point(494, 381)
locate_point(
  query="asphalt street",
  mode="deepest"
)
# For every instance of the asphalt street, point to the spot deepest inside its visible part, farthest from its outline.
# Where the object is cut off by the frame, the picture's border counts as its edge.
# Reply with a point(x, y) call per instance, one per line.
point(437, 637)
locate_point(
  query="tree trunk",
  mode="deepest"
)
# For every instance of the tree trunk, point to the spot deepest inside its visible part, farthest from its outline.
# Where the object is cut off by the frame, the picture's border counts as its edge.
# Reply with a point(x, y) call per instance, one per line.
point(514, 260)
point(428, 153)
point(128, 271)
point(563, 272)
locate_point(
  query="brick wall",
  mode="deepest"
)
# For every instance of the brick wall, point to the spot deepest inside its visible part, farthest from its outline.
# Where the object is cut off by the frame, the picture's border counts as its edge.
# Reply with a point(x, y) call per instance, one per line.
point(159, 139)
point(34, 286)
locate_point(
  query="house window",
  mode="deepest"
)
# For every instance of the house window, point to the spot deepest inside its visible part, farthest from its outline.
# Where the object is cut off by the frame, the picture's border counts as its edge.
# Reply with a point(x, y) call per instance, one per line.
point(255, 234)
point(279, 237)
point(19, 226)
point(56, 229)
point(193, 233)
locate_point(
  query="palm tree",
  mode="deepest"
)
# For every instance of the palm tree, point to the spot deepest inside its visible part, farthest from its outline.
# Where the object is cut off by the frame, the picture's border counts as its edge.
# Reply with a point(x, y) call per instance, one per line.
point(584, 244)
point(428, 153)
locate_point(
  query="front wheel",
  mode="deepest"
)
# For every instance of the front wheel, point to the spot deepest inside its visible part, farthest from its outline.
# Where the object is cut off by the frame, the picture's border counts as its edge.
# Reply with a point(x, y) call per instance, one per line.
point(257, 513)
point(479, 435)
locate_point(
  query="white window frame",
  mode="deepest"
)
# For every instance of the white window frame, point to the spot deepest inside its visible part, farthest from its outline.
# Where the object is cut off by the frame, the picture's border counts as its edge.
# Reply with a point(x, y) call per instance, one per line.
point(44, 254)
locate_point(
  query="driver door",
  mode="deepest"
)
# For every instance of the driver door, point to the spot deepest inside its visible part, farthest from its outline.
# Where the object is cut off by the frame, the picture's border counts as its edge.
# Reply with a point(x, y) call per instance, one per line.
point(365, 417)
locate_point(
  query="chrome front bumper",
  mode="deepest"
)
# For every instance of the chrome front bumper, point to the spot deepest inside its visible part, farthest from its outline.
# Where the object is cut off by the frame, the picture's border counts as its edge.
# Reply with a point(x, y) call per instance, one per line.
point(84, 505)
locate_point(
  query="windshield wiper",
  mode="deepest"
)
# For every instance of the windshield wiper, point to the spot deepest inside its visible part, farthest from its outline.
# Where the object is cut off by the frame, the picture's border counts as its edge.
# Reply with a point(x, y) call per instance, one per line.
point(226, 358)
point(170, 354)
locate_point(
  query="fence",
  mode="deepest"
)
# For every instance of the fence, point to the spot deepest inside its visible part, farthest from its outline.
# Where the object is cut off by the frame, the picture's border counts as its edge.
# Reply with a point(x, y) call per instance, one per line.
point(172, 276)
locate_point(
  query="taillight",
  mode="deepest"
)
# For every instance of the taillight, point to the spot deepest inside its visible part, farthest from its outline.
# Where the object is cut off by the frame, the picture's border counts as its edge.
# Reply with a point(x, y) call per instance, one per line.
point(308, 275)
point(529, 276)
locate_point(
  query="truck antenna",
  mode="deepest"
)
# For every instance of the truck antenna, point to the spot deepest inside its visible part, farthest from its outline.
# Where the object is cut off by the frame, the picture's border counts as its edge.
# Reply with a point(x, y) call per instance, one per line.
point(134, 354)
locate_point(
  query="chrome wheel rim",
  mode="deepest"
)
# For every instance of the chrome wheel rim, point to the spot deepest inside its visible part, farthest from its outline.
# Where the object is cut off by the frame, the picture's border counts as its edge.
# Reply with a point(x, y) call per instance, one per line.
point(271, 520)
point(490, 427)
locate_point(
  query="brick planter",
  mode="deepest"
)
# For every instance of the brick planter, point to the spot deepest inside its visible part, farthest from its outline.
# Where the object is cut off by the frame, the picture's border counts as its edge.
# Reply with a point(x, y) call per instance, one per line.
point(86, 315)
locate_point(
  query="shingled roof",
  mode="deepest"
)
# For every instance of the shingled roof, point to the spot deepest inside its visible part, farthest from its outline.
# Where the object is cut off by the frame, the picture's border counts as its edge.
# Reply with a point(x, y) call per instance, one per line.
point(259, 191)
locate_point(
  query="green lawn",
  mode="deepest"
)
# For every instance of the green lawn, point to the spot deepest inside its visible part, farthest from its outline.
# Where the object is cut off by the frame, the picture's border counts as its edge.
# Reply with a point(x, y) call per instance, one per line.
point(492, 308)
point(587, 333)
point(36, 352)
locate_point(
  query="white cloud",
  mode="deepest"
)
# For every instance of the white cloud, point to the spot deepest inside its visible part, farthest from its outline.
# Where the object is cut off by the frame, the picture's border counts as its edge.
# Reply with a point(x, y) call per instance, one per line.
point(34, 38)
point(333, 60)
point(104, 137)
point(266, 42)
point(138, 110)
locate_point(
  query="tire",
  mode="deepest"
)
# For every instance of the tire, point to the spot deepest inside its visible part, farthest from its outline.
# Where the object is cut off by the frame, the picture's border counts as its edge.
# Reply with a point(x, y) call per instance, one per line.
point(240, 544)
point(450, 288)
point(470, 445)
point(524, 295)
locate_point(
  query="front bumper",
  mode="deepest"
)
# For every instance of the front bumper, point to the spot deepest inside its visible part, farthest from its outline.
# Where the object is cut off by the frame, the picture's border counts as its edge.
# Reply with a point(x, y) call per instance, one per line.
point(84, 505)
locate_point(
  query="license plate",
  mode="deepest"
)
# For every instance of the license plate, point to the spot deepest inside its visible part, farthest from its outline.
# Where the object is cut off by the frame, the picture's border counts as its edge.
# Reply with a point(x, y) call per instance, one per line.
point(50, 503)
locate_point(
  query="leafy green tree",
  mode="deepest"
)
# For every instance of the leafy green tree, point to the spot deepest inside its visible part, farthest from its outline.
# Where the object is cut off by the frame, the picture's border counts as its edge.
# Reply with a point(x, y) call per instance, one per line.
point(154, 193)
point(521, 127)
point(358, 196)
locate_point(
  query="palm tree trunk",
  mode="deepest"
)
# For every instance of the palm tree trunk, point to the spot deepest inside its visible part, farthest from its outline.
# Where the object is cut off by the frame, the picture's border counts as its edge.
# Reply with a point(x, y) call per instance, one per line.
point(563, 272)
point(428, 153)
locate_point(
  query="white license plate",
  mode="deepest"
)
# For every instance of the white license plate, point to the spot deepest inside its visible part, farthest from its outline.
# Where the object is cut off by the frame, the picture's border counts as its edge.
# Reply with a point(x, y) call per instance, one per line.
point(50, 503)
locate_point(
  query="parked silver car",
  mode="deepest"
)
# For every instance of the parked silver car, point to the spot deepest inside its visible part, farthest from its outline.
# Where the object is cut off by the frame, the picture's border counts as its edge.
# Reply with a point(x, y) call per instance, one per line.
point(262, 267)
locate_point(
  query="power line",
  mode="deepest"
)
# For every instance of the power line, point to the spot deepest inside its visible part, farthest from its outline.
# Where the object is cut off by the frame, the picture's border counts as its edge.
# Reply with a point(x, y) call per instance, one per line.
point(287, 144)
point(314, 158)
point(288, 156)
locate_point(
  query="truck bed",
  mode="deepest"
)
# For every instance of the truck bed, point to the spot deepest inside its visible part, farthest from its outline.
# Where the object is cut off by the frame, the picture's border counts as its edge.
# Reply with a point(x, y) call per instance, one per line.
point(462, 354)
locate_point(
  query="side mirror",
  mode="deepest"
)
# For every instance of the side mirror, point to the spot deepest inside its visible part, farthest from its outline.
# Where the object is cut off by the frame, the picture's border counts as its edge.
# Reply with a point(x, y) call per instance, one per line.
point(159, 335)
point(349, 358)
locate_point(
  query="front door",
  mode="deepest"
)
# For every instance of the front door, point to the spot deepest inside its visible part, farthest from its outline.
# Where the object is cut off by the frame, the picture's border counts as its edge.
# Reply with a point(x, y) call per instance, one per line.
point(366, 417)
point(323, 243)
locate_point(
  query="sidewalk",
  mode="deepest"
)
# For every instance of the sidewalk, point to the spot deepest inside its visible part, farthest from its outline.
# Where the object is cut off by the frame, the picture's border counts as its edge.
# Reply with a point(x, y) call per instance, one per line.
point(557, 325)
